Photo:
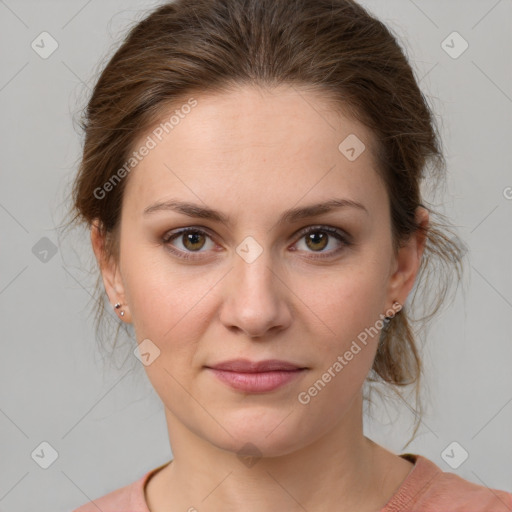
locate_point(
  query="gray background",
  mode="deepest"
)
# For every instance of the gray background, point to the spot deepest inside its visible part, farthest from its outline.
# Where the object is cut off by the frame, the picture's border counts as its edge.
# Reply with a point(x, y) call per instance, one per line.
point(106, 423)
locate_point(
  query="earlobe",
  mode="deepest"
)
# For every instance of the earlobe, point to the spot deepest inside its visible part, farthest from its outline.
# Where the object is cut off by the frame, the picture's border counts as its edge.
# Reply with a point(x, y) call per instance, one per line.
point(109, 269)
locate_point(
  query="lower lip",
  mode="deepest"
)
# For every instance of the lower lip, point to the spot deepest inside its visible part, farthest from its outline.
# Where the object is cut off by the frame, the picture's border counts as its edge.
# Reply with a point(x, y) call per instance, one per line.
point(256, 382)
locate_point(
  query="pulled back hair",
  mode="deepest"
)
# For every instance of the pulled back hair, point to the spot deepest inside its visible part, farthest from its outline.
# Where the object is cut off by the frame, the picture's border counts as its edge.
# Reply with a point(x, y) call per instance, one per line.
point(332, 47)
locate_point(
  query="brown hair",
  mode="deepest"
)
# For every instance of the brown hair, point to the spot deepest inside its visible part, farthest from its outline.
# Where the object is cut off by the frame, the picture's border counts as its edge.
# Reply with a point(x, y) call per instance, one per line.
point(333, 47)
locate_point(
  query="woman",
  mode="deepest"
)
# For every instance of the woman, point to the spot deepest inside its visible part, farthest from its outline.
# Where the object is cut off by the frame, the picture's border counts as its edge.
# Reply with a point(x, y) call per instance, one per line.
point(251, 178)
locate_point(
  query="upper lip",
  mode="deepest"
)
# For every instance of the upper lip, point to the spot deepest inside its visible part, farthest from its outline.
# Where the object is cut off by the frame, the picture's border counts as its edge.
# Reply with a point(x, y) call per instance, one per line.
point(247, 366)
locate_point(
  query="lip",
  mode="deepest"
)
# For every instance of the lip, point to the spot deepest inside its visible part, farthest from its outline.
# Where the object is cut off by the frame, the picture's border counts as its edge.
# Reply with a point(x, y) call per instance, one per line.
point(247, 366)
point(256, 377)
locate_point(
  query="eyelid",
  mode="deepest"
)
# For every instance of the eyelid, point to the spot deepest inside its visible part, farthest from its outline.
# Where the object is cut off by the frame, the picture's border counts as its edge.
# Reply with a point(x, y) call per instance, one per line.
point(327, 228)
point(330, 229)
point(179, 231)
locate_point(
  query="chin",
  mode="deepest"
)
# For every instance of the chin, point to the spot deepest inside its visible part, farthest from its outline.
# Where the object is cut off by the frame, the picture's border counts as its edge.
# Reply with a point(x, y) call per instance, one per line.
point(257, 435)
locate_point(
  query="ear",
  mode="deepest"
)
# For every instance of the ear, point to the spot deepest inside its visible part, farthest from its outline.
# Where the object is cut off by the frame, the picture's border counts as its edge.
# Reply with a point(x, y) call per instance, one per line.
point(110, 273)
point(407, 263)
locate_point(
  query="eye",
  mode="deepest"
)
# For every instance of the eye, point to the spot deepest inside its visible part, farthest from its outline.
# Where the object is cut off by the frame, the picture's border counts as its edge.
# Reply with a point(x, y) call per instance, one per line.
point(191, 239)
point(317, 238)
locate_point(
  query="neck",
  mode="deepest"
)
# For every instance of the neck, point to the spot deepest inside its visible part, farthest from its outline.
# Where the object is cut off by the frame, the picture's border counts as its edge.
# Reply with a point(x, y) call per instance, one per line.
point(339, 470)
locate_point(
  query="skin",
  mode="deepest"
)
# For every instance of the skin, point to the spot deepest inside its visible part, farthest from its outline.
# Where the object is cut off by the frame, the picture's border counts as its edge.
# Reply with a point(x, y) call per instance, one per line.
point(252, 154)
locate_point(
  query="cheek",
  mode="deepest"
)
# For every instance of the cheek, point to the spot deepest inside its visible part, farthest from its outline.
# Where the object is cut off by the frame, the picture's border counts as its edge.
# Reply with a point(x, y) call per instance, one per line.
point(346, 341)
point(347, 305)
point(346, 301)
point(168, 303)
point(164, 305)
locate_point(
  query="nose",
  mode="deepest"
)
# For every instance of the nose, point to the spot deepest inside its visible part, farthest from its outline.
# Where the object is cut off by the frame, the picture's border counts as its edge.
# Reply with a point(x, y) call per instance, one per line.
point(256, 297)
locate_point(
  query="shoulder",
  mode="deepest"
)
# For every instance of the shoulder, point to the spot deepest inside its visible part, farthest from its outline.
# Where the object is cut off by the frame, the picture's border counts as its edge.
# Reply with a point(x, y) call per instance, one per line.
point(115, 501)
point(129, 498)
point(430, 489)
point(463, 495)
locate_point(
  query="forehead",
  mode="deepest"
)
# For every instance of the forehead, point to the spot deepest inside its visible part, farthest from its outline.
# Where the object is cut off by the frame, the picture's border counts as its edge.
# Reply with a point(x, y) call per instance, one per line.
point(256, 146)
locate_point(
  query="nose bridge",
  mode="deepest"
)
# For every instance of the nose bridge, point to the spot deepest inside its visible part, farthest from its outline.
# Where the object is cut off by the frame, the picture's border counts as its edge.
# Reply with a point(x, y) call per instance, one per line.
point(254, 272)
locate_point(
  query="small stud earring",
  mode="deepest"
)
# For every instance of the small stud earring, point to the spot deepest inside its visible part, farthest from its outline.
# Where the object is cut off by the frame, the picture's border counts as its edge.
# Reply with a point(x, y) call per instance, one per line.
point(117, 305)
point(387, 319)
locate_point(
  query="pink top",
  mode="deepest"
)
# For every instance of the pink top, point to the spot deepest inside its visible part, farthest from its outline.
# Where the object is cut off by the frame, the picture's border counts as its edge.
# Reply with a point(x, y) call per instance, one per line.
point(425, 489)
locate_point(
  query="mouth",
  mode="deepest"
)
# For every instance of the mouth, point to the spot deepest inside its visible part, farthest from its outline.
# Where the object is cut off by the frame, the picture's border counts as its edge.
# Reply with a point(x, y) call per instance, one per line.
point(256, 377)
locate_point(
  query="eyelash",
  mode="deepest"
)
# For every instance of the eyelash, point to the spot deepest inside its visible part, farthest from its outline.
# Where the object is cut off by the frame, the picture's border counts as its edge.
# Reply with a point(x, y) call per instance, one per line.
point(336, 233)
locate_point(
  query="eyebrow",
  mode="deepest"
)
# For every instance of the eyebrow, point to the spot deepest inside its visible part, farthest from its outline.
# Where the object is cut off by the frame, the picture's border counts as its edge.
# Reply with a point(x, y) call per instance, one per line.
point(289, 216)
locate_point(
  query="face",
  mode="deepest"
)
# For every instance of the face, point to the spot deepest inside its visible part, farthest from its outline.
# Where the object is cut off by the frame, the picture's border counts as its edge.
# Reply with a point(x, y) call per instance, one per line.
point(271, 279)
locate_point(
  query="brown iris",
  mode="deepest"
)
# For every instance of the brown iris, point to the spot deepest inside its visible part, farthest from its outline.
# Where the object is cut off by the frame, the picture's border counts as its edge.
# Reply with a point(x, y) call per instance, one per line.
point(317, 237)
point(190, 241)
